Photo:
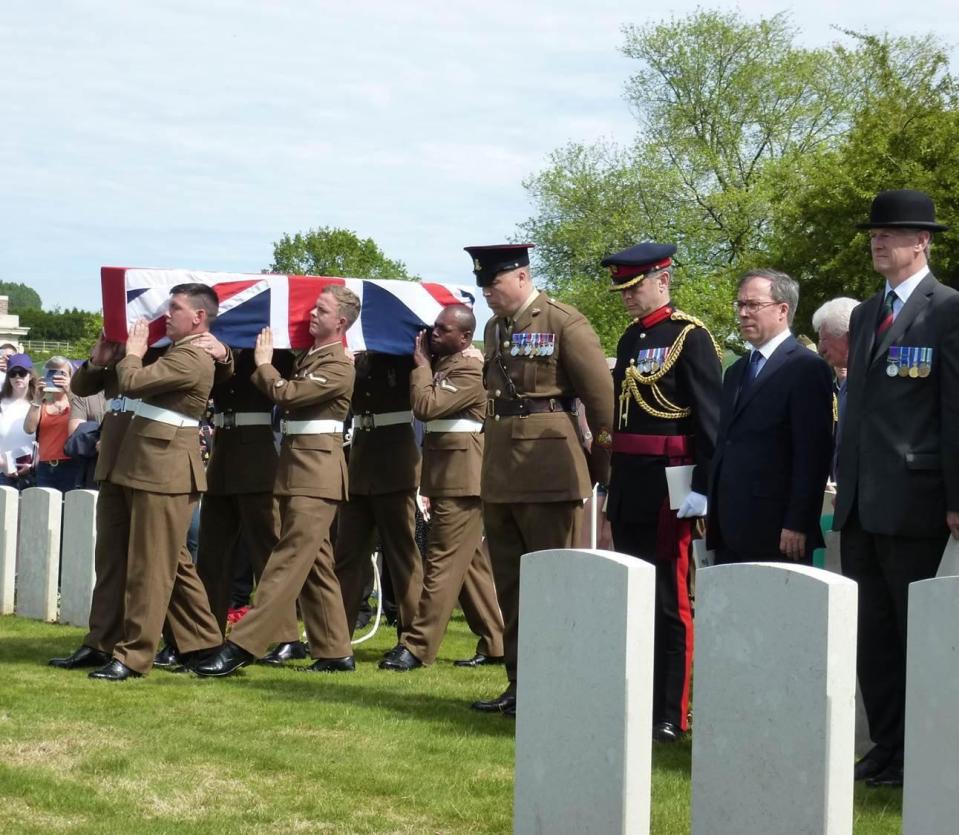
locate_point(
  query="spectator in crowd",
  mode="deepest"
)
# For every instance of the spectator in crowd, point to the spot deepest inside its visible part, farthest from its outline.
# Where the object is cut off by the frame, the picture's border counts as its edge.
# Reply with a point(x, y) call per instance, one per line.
point(16, 445)
point(7, 350)
point(775, 434)
point(669, 377)
point(49, 418)
point(898, 495)
point(831, 322)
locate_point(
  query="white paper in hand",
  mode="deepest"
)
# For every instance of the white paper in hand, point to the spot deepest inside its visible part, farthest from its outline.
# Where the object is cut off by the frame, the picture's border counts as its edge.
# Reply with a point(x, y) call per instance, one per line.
point(679, 480)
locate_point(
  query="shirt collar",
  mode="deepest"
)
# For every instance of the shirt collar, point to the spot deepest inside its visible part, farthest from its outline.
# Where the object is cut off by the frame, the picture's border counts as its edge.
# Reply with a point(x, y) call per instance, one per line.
point(316, 348)
point(522, 308)
point(904, 289)
point(767, 348)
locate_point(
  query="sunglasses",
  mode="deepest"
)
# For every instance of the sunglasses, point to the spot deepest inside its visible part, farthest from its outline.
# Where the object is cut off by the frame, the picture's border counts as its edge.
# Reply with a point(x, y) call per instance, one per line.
point(18, 372)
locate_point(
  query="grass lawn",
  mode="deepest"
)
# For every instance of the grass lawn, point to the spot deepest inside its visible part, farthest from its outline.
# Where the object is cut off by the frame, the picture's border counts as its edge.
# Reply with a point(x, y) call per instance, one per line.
point(278, 751)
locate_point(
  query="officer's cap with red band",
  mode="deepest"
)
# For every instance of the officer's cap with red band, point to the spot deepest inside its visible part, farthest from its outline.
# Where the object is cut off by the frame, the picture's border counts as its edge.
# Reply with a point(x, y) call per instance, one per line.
point(632, 265)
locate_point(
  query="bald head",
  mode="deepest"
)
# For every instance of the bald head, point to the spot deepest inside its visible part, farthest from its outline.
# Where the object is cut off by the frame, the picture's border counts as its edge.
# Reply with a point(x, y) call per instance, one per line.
point(453, 331)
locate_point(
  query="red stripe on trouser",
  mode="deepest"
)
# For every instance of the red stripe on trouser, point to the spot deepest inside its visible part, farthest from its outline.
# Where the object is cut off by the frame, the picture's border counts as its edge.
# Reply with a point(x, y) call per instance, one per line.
point(683, 544)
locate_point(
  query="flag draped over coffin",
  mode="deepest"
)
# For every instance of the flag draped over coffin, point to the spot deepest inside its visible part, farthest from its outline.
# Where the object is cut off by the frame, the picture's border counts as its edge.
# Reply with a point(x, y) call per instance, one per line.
point(392, 313)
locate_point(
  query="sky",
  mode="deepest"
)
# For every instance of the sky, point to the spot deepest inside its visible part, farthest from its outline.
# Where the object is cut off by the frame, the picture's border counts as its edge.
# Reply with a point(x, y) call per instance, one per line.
point(194, 135)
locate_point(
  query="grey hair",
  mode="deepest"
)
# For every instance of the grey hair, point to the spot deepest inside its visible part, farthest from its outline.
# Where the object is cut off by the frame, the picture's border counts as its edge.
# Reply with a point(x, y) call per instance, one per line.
point(59, 362)
point(833, 316)
point(783, 288)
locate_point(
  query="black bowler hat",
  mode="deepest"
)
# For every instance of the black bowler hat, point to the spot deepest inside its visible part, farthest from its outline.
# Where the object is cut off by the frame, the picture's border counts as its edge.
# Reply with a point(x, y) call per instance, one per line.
point(632, 265)
point(903, 208)
point(489, 261)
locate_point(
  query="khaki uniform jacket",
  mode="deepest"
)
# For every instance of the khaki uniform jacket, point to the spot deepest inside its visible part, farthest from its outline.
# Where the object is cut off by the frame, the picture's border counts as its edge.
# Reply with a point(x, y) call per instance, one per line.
point(452, 389)
point(320, 389)
point(155, 456)
point(244, 458)
point(384, 460)
point(539, 458)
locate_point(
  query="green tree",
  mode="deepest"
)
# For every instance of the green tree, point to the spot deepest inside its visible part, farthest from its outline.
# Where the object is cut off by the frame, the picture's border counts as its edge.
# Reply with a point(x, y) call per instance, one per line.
point(78, 327)
point(21, 297)
point(735, 125)
point(331, 251)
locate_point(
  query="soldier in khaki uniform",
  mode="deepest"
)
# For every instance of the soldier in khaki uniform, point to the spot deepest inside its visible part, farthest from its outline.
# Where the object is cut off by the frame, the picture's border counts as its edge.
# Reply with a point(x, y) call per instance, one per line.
point(384, 475)
point(541, 355)
point(449, 397)
point(159, 469)
point(239, 505)
point(311, 482)
point(98, 374)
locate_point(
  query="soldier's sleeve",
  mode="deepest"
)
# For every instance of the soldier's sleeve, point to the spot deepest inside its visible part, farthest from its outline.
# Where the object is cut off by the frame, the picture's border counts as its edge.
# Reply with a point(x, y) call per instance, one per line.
point(222, 371)
point(701, 376)
point(326, 381)
point(585, 365)
point(451, 394)
point(88, 379)
point(174, 371)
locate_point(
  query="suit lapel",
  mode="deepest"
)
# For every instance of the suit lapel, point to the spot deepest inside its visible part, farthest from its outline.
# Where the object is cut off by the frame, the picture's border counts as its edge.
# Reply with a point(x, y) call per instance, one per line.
point(910, 310)
point(769, 369)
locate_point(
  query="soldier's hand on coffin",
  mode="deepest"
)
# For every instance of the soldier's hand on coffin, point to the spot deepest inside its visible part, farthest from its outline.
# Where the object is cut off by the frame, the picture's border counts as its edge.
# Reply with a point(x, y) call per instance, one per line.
point(209, 343)
point(138, 339)
point(421, 350)
point(792, 544)
point(471, 352)
point(104, 352)
point(263, 351)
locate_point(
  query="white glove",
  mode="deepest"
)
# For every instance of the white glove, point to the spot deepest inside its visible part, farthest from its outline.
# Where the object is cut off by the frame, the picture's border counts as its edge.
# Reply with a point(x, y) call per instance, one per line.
point(693, 505)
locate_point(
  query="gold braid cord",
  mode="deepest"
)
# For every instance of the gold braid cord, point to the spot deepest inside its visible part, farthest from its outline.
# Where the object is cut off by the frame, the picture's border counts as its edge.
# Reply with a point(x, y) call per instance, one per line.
point(633, 379)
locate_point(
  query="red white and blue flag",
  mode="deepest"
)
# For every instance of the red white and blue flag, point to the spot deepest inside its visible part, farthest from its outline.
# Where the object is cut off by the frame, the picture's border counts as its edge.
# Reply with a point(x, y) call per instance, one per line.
point(392, 313)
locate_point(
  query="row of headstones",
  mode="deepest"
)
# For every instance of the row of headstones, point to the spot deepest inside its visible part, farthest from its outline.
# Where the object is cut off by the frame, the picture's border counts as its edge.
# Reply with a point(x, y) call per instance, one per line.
point(47, 543)
point(775, 692)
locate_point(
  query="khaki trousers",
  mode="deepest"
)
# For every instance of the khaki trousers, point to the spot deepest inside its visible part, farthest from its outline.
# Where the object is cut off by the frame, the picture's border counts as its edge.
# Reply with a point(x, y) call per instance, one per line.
point(393, 515)
point(226, 521)
point(455, 543)
point(516, 529)
point(157, 561)
point(301, 560)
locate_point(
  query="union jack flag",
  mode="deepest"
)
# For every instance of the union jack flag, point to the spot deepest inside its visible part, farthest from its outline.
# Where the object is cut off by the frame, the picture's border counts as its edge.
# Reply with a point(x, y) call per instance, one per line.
point(392, 314)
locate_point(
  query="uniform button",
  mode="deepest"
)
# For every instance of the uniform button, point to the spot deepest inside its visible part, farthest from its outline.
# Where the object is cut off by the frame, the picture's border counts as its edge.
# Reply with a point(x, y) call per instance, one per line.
point(497, 393)
point(506, 344)
point(642, 336)
point(495, 417)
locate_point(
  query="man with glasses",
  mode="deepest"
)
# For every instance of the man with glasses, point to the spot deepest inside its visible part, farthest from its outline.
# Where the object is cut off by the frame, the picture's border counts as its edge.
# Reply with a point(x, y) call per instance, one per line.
point(669, 378)
point(898, 477)
point(775, 434)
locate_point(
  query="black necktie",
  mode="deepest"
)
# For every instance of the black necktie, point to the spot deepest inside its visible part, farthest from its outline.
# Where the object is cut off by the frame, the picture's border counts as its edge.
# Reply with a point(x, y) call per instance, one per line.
point(749, 375)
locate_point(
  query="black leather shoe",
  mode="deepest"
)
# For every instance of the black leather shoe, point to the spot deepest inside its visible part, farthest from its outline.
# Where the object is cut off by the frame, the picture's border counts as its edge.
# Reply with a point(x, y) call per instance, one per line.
point(83, 657)
point(479, 660)
point(666, 732)
point(227, 660)
point(401, 660)
point(331, 665)
point(115, 671)
point(873, 764)
point(509, 712)
point(281, 653)
point(889, 777)
point(501, 704)
point(167, 657)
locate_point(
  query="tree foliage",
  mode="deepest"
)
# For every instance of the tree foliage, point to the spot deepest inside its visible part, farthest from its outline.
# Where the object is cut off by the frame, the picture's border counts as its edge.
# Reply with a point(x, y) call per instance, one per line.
point(78, 327)
point(741, 133)
point(21, 297)
point(332, 251)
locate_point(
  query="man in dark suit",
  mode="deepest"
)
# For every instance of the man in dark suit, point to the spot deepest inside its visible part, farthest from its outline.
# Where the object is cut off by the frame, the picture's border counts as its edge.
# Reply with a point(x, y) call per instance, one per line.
point(898, 496)
point(775, 434)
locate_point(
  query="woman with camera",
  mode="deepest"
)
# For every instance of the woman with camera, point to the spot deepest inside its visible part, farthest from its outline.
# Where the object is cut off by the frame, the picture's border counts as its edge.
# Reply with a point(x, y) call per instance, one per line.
point(49, 417)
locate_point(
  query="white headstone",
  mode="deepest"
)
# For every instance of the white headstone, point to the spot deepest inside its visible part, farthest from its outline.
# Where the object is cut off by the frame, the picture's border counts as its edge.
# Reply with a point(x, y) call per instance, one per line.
point(38, 564)
point(949, 567)
point(774, 719)
point(930, 802)
point(79, 543)
point(9, 508)
point(584, 717)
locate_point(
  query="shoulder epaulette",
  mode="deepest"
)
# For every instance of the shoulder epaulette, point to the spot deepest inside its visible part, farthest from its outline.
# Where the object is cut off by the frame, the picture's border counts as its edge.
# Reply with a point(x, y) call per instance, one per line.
point(680, 316)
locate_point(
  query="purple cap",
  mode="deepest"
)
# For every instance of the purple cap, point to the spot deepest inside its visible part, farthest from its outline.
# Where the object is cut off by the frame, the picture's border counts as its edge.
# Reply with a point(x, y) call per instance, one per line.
point(19, 361)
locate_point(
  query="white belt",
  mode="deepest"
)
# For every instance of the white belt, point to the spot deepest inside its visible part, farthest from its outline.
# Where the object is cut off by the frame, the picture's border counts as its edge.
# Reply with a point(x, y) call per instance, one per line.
point(164, 415)
point(123, 404)
point(375, 421)
point(311, 427)
point(454, 425)
point(227, 420)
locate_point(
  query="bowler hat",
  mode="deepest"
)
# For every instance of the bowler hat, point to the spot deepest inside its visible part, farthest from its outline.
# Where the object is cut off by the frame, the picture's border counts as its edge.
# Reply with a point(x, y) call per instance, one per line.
point(903, 208)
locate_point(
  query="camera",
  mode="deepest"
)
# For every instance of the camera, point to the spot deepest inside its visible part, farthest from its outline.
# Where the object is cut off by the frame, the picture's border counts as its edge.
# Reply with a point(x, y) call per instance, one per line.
point(49, 386)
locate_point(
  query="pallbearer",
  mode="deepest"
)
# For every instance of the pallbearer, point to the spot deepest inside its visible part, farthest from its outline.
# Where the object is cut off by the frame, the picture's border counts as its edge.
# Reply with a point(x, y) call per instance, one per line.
point(668, 381)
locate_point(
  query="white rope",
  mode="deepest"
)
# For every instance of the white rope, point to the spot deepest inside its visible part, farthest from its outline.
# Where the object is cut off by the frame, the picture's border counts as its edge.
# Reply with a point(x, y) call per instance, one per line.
point(378, 591)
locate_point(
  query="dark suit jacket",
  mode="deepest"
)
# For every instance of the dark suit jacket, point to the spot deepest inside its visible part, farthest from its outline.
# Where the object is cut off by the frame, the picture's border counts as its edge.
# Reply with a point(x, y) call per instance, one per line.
point(772, 454)
point(899, 449)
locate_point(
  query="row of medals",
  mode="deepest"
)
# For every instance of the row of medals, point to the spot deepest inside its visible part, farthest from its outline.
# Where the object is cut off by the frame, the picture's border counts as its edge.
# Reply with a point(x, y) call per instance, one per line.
point(650, 360)
point(909, 362)
point(533, 344)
